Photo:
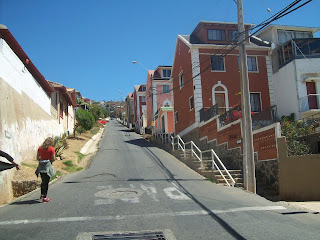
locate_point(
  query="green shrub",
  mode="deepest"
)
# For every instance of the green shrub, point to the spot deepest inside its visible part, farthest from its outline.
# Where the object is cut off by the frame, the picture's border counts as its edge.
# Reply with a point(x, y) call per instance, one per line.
point(294, 131)
point(71, 167)
point(80, 156)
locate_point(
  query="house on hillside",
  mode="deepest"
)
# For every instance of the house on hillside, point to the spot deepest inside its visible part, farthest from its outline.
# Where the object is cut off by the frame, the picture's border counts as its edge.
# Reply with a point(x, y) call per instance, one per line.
point(64, 103)
point(129, 109)
point(296, 69)
point(207, 96)
point(140, 109)
point(26, 114)
point(159, 100)
point(206, 74)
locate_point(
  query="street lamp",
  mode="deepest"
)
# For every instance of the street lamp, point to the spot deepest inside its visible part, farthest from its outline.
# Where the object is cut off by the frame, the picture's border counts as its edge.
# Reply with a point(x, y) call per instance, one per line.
point(134, 62)
point(152, 117)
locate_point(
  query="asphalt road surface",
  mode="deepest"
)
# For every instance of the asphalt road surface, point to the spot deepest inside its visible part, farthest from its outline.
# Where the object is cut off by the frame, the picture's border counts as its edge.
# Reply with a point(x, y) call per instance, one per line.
point(133, 190)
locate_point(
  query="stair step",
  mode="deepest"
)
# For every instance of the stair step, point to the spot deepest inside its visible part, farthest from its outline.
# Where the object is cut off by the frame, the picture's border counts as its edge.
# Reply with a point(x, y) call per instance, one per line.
point(237, 180)
point(230, 171)
point(227, 176)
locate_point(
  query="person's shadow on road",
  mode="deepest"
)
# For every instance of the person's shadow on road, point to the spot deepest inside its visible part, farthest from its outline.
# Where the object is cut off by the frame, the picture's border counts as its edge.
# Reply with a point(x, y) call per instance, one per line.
point(27, 202)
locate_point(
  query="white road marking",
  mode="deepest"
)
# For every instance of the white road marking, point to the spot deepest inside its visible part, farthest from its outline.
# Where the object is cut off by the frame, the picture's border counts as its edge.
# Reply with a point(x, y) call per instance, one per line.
point(150, 191)
point(104, 201)
point(170, 193)
point(154, 215)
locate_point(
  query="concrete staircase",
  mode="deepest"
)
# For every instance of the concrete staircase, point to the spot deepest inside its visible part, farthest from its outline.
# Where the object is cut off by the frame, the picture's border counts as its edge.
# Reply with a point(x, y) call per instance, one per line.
point(209, 172)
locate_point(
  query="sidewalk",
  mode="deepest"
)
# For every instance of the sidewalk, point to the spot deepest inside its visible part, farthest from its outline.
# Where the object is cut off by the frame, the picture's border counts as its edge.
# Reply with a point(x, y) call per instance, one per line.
point(308, 206)
point(92, 145)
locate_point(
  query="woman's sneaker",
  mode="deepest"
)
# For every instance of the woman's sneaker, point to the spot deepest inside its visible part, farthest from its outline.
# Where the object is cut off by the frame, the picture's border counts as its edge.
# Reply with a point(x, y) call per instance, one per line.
point(46, 200)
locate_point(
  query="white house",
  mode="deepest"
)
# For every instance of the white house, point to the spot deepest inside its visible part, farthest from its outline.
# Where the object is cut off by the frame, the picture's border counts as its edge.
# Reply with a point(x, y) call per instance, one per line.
point(296, 69)
point(25, 107)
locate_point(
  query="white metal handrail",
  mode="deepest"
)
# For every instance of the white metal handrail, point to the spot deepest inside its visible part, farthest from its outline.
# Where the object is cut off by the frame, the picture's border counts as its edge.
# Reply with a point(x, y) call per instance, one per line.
point(214, 165)
point(172, 141)
point(182, 147)
point(193, 145)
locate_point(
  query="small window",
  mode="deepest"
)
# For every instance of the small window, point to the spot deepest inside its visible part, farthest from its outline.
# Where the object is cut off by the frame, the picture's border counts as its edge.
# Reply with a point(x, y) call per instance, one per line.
point(302, 35)
point(176, 117)
point(143, 88)
point(181, 80)
point(61, 109)
point(166, 73)
point(284, 36)
point(191, 103)
point(252, 64)
point(143, 98)
point(165, 88)
point(255, 102)
point(217, 63)
point(233, 35)
point(216, 34)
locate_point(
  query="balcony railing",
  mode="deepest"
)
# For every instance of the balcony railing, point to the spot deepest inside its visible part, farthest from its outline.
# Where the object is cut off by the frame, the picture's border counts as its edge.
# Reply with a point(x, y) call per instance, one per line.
point(309, 102)
point(264, 118)
point(210, 113)
point(230, 116)
point(259, 119)
point(298, 48)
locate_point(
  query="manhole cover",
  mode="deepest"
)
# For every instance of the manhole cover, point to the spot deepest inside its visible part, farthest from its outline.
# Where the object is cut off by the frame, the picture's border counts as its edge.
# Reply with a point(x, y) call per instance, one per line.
point(165, 234)
point(119, 193)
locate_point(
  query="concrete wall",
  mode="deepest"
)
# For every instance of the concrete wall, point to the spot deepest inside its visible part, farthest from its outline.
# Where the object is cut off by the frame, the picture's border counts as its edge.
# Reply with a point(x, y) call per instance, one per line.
point(285, 88)
point(298, 175)
point(25, 115)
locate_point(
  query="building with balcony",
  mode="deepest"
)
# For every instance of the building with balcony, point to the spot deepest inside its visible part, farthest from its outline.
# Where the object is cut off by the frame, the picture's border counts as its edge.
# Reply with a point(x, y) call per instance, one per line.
point(296, 69)
point(159, 99)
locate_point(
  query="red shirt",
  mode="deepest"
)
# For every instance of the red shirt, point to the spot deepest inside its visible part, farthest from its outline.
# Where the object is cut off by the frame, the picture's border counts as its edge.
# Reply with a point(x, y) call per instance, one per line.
point(46, 154)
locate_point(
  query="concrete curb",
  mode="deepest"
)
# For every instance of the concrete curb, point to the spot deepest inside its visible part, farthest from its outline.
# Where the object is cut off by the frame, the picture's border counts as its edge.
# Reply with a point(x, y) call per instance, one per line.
point(91, 145)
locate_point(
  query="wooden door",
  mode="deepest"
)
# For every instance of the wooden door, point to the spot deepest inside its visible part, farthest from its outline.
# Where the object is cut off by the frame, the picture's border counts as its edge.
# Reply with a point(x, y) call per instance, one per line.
point(312, 100)
point(221, 101)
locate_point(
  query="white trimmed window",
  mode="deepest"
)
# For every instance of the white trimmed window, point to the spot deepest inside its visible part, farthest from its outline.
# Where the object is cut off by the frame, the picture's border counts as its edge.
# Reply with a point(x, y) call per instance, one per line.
point(191, 103)
point(166, 73)
point(217, 63)
point(255, 102)
point(165, 88)
point(252, 64)
point(181, 79)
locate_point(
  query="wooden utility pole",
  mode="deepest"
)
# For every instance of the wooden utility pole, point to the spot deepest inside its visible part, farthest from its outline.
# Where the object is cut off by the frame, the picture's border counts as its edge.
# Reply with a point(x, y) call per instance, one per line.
point(247, 143)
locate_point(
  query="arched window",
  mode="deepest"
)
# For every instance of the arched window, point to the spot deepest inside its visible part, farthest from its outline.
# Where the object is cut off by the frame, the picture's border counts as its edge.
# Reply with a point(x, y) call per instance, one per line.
point(220, 97)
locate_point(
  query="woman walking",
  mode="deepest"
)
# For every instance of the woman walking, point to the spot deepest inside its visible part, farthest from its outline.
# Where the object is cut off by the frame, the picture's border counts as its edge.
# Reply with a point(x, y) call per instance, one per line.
point(46, 156)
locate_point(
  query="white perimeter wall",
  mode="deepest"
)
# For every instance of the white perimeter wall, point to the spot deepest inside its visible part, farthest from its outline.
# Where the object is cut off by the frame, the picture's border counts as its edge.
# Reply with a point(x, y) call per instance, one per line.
point(285, 90)
point(19, 78)
point(25, 115)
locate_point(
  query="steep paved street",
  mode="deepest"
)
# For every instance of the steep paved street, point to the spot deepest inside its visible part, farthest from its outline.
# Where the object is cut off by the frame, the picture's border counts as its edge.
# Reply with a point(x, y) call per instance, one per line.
point(132, 186)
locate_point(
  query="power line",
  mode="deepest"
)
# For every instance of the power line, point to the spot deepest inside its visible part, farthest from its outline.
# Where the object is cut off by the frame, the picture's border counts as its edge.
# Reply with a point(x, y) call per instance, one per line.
point(234, 45)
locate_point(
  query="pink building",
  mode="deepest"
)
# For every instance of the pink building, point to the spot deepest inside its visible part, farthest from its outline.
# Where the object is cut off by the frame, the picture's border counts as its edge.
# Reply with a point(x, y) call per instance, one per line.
point(158, 96)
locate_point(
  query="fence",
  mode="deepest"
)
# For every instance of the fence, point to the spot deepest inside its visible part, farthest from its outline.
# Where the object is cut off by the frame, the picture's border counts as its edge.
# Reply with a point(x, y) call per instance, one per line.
point(210, 113)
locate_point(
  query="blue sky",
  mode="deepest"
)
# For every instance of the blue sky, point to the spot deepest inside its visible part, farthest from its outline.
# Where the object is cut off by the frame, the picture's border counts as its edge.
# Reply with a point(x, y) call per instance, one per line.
point(90, 45)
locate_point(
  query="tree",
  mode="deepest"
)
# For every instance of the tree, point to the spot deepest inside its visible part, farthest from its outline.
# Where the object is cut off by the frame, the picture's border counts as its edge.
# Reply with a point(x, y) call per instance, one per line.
point(85, 120)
